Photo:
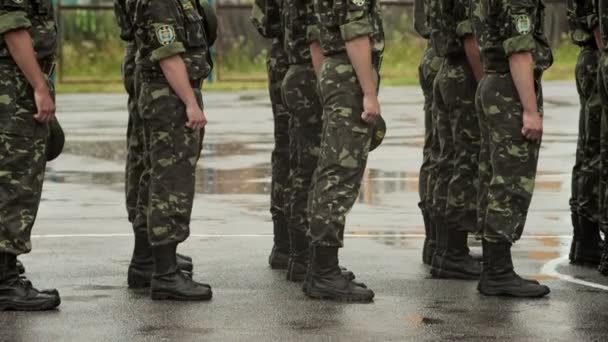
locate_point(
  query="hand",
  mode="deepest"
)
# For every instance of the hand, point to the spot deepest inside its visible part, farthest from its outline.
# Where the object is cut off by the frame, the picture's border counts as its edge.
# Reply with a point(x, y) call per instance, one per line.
point(371, 108)
point(533, 125)
point(196, 117)
point(44, 105)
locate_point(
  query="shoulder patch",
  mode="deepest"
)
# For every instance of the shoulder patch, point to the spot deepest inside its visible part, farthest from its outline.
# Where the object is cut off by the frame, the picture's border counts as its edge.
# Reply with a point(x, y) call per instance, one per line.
point(359, 3)
point(165, 34)
point(18, 2)
point(523, 24)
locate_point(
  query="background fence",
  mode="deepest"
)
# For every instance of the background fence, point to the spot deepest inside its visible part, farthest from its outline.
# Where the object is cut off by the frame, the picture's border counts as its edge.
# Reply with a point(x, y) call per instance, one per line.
point(91, 49)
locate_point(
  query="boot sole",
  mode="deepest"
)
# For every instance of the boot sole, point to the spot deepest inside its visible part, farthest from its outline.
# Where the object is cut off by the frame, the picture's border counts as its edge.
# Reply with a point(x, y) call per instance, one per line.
point(171, 296)
point(321, 295)
point(44, 306)
point(447, 274)
point(502, 293)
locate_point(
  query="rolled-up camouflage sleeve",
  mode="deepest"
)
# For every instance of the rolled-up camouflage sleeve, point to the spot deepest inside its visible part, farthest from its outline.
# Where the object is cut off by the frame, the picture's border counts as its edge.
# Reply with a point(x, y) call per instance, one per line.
point(164, 27)
point(313, 33)
point(464, 26)
point(13, 15)
point(520, 26)
point(266, 18)
point(357, 22)
point(593, 19)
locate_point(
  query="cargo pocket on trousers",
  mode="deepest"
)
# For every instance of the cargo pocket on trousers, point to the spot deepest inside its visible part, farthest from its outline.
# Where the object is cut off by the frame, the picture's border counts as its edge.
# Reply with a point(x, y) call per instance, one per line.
point(348, 143)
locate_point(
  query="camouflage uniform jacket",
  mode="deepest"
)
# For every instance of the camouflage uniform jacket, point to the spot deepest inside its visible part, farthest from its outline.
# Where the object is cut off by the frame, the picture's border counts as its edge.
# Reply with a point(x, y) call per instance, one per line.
point(340, 21)
point(600, 17)
point(513, 26)
point(421, 14)
point(449, 23)
point(578, 14)
point(165, 28)
point(297, 16)
point(266, 18)
point(123, 10)
point(35, 15)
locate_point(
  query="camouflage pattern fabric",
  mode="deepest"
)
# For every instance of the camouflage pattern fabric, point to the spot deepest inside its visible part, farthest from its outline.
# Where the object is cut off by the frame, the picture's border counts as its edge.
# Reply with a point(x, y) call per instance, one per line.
point(427, 71)
point(513, 160)
point(162, 31)
point(585, 173)
point(456, 182)
point(301, 97)
point(600, 17)
point(23, 141)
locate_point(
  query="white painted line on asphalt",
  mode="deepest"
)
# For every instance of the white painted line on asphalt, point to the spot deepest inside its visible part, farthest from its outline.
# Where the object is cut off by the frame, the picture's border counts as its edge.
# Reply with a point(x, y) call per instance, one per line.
point(550, 269)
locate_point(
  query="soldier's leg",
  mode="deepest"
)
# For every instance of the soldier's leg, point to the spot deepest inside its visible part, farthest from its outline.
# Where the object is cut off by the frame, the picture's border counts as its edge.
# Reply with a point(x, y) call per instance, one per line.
point(586, 243)
point(461, 203)
point(427, 71)
point(603, 217)
point(302, 99)
point(277, 68)
point(22, 166)
point(342, 160)
point(173, 151)
point(514, 161)
point(485, 165)
point(444, 167)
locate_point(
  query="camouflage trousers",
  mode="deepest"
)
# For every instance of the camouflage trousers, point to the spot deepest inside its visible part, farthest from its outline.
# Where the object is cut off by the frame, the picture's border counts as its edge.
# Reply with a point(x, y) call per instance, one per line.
point(509, 159)
point(277, 66)
point(136, 180)
point(345, 144)
point(586, 170)
point(456, 171)
point(23, 143)
point(300, 93)
point(428, 69)
point(171, 152)
point(603, 93)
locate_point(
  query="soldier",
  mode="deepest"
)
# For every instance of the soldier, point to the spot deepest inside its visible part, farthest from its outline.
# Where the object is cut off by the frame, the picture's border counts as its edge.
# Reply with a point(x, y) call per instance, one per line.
point(266, 18)
point(599, 22)
point(586, 243)
point(352, 42)
point(172, 61)
point(136, 181)
point(429, 66)
point(515, 52)
point(454, 211)
point(27, 56)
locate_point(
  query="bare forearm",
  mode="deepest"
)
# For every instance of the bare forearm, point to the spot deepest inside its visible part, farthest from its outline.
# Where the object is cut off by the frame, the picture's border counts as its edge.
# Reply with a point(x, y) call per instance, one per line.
point(20, 46)
point(522, 72)
point(598, 38)
point(316, 54)
point(359, 52)
point(472, 51)
point(176, 74)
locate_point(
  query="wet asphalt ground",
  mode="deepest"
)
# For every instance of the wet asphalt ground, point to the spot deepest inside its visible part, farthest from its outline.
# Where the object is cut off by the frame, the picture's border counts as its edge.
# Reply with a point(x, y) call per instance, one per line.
point(82, 242)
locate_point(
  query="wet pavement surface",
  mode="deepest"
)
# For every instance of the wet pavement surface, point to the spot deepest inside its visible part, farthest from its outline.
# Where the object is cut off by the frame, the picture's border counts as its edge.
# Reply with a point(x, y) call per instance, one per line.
point(82, 241)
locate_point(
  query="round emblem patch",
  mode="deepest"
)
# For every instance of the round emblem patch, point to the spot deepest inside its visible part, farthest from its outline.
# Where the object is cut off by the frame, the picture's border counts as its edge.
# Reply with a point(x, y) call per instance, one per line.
point(165, 34)
point(18, 2)
point(359, 3)
point(523, 24)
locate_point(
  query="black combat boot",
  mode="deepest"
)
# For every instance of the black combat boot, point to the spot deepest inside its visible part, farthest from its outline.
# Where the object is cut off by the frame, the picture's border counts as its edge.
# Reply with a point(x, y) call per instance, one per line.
point(168, 283)
point(326, 280)
point(279, 256)
point(430, 242)
point(142, 263)
point(456, 262)
point(499, 278)
point(298, 258)
point(17, 293)
point(587, 244)
point(441, 238)
point(20, 267)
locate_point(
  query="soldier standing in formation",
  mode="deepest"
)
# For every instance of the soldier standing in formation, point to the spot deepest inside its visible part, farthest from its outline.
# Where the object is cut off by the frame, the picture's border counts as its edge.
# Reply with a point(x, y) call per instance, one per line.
point(266, 18)
point(427, 71)
point(587, 243)
point(599, 22)
point(136, 180)
point(173, 60)
point(515, 52)
point(453, 213)
point(27, 56)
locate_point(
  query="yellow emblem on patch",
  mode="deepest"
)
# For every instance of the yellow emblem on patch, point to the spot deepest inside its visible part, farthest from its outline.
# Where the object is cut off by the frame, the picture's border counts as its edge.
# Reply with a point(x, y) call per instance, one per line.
point(523, 24)
point(165, 34)
point(359, 3)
